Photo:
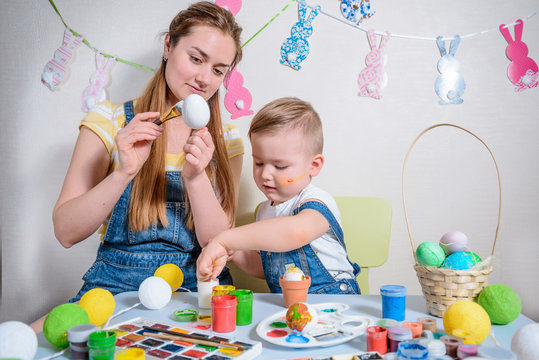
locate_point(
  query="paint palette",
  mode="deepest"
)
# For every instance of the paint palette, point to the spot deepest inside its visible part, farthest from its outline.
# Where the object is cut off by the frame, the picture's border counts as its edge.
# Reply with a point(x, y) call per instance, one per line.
point(130, 334)
point(332, 328)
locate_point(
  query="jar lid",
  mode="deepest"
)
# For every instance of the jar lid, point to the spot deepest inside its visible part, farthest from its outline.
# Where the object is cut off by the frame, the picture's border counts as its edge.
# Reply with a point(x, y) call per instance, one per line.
point(393, 290)
point(412, 350)
point(206, 284)
point(436, 348)
point(399, 333)
point(242, 294)
point(224, 300)
point(80, 333)
point(185, 315)
point(387, 323)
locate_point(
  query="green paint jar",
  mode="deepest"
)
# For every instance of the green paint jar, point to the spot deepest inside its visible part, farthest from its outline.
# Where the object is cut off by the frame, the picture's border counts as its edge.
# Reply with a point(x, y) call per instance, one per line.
point(244, 310)
point(102, 345)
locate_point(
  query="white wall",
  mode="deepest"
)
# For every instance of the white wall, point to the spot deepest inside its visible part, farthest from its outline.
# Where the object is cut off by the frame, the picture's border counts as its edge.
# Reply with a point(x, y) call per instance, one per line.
point(451, 182)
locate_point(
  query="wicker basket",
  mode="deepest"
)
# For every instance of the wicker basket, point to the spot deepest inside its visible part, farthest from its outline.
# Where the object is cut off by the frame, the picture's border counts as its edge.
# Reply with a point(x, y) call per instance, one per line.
point(442, 287)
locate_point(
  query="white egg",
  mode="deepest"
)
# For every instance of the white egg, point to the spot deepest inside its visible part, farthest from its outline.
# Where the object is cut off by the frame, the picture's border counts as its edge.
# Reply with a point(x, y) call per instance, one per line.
point(294, 274)
point(17, 340)
point(154, 293)
point(195, 111)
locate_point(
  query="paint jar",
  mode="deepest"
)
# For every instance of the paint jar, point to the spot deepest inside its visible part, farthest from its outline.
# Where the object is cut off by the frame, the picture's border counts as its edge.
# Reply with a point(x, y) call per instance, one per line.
point(451, 345)
point(416, 328)
point(244, 310)
point(436, 348)
point(387, 323)
point(468, 337)
point(428, 323)
point(101, 345)
point(78, 340)
point(130, 354)
point(466, 350)
point(397, 334)
point(224, 313)
point(223, 290)
point(204, 293)
point(377, 339)
point(408, 350)
point(393, 301)
point(496, 353)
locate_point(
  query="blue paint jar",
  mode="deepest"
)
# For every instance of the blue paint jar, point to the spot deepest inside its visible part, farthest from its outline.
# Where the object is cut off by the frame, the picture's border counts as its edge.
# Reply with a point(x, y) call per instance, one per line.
point(409, 350)
point(393, 301)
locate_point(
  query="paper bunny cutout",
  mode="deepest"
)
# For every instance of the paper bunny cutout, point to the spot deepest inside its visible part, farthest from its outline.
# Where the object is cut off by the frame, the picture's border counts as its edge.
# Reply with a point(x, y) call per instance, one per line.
point(233, 6)
point(356, 10)
point(95, 92)
point(372, 79)
point(523, 70)
point(238, 99)
point(296, 48)
point(449, 85)
point(55, 70)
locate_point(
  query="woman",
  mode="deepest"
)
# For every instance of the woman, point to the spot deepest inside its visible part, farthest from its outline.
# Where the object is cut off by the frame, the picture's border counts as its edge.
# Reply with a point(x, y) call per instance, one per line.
point(157, 194)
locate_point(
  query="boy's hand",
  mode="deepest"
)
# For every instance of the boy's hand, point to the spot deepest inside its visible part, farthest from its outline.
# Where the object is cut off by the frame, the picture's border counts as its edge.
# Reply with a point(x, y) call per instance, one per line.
point(211, 261)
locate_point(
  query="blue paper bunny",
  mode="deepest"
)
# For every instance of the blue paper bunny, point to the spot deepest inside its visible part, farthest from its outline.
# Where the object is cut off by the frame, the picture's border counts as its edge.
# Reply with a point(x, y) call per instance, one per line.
point(296, 48)
point(449, 85)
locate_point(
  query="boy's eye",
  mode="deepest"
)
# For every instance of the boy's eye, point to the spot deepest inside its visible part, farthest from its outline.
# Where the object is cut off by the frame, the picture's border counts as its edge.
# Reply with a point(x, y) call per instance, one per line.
point(259, 164)
point(281, 167)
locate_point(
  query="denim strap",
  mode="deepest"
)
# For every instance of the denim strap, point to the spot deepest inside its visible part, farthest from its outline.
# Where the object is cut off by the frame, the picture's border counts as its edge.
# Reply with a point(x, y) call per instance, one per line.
point(128, 111)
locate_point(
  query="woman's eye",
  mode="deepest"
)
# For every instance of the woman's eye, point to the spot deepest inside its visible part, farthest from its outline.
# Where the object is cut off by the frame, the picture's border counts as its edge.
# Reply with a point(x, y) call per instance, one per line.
point(219, 72)
point(196, 59)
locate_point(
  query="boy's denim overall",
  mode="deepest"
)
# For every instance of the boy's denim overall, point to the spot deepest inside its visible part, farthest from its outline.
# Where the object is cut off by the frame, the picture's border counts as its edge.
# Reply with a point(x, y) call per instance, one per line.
point(127, 257)
point(306, 259)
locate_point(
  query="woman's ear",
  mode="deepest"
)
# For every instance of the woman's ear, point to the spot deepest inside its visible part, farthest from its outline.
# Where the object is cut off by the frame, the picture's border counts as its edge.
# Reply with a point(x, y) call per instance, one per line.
point(316, 164)
point(166, 47)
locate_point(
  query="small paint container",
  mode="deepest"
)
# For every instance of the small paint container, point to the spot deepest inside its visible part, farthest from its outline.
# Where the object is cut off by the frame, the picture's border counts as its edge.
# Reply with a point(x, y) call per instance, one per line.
point(377, 339)
point(204, 293)
point(222, 290)
point(397, 334)
point(467, 337)
point(224, 313)
point(101, 345)
point(393, 301)
point(78, 340)
point(436, 348)
point(244, 311)
point(466, 350)
point(410, 350)
point(387, 323)
point(130, 354)
point(428, 323)
point(185, 315)
point(451, 345)
point(495, 353)
point(416, 328)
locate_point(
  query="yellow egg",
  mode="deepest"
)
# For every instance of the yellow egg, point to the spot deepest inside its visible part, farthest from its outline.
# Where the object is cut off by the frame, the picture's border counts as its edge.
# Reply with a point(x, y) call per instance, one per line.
point(99, 304)
point(172, 274)
point(468, 316)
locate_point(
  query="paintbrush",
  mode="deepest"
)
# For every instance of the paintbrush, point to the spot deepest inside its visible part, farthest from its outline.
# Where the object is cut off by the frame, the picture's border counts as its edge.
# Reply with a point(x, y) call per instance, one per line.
point(193, 340)
point(195, 111)
point(173, 112)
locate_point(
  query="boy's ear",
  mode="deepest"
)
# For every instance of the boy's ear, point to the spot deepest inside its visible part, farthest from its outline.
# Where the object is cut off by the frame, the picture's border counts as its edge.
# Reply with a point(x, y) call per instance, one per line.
point(316, 164)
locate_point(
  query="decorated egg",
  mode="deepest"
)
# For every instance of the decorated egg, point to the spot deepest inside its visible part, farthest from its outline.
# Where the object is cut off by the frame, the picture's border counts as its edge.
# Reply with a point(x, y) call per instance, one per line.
point(294, 273)
point(458, 261)
point(301, 317)
point(454, 241)
point(430, 254)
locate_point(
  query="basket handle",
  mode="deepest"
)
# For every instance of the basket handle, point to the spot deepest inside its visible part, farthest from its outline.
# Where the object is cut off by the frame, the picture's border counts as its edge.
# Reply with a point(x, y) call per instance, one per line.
point(403, 181)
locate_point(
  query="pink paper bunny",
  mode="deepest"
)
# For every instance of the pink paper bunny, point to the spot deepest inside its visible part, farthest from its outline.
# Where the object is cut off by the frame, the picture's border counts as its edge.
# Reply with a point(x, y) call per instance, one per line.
point(55, 70)
point(95, 92)
point(372, 79)
point(233, 6)
point(238, 99)
point(523, 70)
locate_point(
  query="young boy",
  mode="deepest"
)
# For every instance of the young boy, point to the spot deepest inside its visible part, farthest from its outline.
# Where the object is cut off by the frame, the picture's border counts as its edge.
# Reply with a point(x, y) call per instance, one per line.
point(299, 224)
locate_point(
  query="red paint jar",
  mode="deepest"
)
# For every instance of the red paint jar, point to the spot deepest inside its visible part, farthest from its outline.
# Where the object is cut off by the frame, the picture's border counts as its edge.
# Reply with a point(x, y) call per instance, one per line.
point(224, 313)
point(377, 339)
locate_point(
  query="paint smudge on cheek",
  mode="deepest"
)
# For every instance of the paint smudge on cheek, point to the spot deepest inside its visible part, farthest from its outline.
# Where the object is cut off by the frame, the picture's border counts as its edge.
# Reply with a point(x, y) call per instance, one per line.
point(286, 181)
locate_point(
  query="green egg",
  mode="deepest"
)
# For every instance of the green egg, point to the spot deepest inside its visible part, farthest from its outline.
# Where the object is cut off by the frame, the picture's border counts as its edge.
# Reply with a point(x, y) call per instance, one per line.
point(475, 258)
point(430, 254)
point(501, 303)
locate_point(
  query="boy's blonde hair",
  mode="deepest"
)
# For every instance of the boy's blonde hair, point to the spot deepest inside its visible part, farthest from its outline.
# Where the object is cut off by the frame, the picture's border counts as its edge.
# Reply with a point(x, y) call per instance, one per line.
point(290, 113)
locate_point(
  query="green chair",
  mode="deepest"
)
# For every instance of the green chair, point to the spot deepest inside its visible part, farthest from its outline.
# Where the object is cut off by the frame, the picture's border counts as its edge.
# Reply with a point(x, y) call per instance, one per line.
point(366, 224)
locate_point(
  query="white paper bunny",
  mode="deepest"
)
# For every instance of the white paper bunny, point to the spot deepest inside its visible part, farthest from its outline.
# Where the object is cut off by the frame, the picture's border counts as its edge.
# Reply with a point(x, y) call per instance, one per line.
point(95, 92)
point(449, 85)
point(55, 70)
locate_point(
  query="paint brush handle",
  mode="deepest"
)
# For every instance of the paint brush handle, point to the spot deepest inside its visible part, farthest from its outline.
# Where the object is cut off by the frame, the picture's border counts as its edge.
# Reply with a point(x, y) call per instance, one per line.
point(191, 340)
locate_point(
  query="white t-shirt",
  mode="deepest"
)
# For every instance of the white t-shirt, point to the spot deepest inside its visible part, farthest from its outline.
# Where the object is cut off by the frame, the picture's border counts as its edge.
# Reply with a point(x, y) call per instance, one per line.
point(327, 247)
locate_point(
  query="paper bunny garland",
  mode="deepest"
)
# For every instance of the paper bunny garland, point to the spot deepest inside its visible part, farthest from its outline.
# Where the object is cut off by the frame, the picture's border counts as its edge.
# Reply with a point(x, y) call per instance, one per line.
point(55, 70)
point(449, 85)
point(238, 99)
point(523, 70)
point(95, 92)
point(356, 10)
point(372, 79)
point(296, 48)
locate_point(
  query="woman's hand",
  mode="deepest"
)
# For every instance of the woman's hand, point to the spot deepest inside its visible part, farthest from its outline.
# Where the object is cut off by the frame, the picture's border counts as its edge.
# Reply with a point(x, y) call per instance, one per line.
point(198, 150)
point(134, 142)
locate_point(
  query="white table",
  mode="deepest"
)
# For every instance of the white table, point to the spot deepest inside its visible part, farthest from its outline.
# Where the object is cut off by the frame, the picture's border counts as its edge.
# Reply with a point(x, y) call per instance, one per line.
point(265, 305)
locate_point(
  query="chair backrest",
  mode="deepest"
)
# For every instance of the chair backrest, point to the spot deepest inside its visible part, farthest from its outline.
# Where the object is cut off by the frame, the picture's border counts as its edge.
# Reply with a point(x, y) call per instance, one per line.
point(366, 224)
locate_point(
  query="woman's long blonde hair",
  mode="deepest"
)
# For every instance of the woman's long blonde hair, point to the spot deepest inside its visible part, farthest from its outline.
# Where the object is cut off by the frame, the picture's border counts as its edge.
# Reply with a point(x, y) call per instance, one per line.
point(148, 195)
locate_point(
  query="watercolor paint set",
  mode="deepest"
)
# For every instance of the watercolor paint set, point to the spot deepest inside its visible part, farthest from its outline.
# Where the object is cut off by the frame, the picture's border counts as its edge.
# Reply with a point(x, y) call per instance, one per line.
point(331, 326)
point(172, 342)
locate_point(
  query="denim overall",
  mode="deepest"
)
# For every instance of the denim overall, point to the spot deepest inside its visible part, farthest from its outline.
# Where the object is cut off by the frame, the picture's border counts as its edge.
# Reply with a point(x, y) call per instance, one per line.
point(127, 257)
point(306, 259)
